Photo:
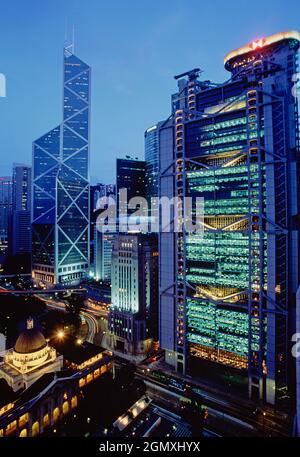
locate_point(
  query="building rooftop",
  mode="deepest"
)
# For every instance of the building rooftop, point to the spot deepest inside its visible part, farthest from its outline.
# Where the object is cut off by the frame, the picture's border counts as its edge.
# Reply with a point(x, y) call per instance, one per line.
point(260, 43)
point(41, 384)
point(31, 340)
point(76, 353)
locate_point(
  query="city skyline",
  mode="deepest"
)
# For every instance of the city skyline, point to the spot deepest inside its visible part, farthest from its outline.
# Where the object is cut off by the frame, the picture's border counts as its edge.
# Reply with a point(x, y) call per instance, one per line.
point(149, 222)
point(133, 66)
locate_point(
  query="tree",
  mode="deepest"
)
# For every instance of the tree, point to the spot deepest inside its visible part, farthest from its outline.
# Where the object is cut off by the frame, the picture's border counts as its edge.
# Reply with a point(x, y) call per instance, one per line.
point(74, 305)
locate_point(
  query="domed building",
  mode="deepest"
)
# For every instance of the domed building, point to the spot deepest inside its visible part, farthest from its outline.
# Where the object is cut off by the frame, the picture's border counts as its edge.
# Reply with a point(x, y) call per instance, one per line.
point(30, 359)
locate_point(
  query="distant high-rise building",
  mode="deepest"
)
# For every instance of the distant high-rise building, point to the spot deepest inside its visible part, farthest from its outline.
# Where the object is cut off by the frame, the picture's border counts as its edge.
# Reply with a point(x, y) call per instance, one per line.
point(227, 298)
point(151, 159)
point(20, 236)
point(103, 190)
point(152, 167)
point(61, 219)
point(5, 212)
point(94, 191)
point(130, 176)
point(102, 242)
point(134, 293)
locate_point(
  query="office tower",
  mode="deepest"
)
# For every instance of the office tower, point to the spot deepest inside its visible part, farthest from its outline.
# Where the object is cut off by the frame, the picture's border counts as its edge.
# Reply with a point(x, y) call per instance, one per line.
point(5, 212)
point(103, 242)
point(20, 235)
point(134, 293)
point(151, 159)
point(130, 176)
point(103, 190)
point(61, 185)
point(94, 192)
point(227, 299)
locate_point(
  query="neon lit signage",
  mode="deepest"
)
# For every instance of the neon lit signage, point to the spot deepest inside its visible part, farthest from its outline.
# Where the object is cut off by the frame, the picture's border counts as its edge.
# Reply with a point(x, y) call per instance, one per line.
point(257, 43)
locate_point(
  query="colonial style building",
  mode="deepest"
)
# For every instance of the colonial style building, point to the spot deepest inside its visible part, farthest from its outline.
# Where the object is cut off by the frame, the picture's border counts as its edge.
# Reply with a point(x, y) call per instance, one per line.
point(39, 385)
point(30, 359)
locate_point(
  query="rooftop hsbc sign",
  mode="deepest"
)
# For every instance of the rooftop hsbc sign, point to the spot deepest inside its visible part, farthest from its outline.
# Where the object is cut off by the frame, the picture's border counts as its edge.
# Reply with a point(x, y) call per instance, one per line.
point(257, 43)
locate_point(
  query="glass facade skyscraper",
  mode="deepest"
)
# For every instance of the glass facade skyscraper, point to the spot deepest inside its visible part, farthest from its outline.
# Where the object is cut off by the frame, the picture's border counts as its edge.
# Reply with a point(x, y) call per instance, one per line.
point(20, 236)
point(5, 212)
point(103, 242)
point(151, 159)
point(152, 169)
point(130, 176)
point(228, 297)
point(61, 185)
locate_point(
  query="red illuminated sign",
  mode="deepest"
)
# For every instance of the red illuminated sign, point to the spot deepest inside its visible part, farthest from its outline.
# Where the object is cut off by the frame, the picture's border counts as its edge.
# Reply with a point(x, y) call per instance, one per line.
point(257, 43)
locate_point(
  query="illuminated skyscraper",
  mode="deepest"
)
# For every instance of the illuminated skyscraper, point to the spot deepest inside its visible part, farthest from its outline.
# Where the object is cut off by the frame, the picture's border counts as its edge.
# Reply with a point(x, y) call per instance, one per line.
point(130, 176)
point(61, 185)
point(152, 170)
point(151, 159)
point(228, 299)
point(103, 242)
point(20, 236)
point(5, 212)
point(133, 314)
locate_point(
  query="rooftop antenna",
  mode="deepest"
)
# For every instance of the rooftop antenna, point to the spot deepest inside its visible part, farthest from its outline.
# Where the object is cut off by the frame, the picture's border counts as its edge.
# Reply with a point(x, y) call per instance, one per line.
point(66, 31)
point(192, 74)
point(73, 39)
point(69, 47)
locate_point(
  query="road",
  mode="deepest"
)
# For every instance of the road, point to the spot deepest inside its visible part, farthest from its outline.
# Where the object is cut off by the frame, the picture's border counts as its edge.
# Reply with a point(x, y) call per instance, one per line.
point(37, 292)
point(226, 409)
point(219, 423)
point(91, 315)
point(91, 320)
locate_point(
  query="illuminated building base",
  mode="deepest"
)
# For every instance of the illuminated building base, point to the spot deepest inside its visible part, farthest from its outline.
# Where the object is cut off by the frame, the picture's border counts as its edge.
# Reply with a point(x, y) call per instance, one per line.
point(216, 355)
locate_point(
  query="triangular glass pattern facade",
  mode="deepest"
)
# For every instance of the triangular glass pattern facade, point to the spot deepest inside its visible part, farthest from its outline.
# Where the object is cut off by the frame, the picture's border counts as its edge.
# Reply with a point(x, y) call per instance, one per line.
point(61, 185)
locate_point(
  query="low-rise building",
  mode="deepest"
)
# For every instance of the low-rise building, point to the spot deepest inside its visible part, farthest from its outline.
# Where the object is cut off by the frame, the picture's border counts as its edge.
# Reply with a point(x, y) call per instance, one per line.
point(41, 384)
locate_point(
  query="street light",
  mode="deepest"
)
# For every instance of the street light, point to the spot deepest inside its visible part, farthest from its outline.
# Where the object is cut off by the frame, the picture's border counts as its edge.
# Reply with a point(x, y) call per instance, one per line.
point(60, 334)
point(264, 425)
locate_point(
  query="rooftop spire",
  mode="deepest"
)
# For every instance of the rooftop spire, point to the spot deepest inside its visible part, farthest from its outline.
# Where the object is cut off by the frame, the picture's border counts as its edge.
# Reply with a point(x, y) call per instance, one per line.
point(70, 47)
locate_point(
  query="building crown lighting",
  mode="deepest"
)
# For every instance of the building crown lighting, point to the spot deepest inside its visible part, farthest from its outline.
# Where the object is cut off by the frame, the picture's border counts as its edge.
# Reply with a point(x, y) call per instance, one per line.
point(260, 43)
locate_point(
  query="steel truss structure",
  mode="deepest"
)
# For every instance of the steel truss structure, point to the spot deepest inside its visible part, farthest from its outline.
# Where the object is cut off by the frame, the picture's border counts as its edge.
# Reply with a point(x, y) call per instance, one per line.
point(232, 290)
point(61, 185)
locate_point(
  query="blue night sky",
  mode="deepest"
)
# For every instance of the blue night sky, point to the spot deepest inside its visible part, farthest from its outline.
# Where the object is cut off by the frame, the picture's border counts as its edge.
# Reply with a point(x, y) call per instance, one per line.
point(134, 48)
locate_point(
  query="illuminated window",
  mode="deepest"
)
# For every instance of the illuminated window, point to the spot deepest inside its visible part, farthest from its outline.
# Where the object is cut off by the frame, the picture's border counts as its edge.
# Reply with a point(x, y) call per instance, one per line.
point(55, 414)
point(74, 401)
point(46, 420)
point(35, 428)
point(65, 407)
point(11, 428)
point(23, 419)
